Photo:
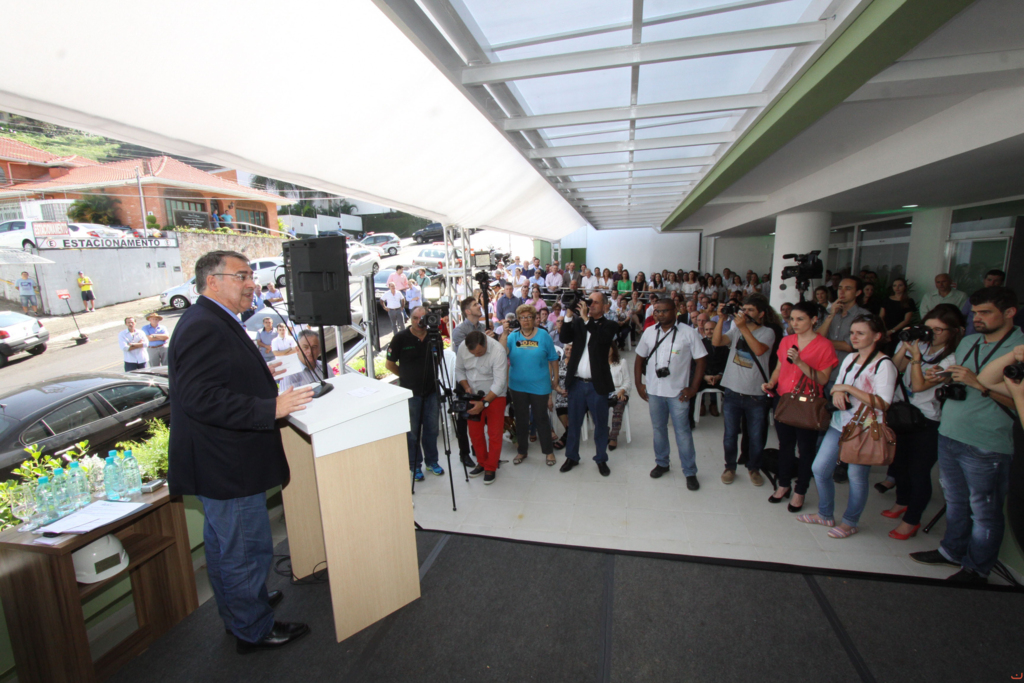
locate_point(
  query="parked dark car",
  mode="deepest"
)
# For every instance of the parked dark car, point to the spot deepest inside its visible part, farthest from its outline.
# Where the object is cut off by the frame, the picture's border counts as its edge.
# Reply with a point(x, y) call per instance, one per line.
point(433, 232)
point(104, 408)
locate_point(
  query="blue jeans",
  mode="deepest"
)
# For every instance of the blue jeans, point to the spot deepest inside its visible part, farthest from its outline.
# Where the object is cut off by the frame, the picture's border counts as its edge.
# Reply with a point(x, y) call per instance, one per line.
point(583, 397)
point(755, 407)
point(422, 415)
point(128, 367)
point(239, 550)
point(975, 483)
point(823, 467)
point(663, 407)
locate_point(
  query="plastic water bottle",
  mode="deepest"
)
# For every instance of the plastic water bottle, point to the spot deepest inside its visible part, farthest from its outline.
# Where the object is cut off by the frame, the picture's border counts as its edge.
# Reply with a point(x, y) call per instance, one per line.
point(79, 486)
point(63, 497)
point(112, 479)
point(132, 474)
point(44, 501)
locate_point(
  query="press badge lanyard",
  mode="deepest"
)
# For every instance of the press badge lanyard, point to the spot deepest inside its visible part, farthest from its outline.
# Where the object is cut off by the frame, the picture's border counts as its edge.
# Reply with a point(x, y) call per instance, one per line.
point(657, 342)
point(977, 352)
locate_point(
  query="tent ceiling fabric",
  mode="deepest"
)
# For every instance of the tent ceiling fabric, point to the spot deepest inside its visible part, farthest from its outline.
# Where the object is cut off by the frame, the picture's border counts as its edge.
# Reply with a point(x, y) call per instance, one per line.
point(606, 95)
point(340, 101)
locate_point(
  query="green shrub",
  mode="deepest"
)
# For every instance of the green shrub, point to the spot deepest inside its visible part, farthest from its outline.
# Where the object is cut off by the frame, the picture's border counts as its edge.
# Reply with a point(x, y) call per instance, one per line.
point(151, 453)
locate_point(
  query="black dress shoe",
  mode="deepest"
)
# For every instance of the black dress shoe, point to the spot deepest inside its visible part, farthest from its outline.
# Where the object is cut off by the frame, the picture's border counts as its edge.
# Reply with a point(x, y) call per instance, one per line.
point(692, 483)
point(773, 499)
point(568, 465)
point(969, 577)
point(602, 467)
point(658, 471)
point(279, 636)
point(275, 598)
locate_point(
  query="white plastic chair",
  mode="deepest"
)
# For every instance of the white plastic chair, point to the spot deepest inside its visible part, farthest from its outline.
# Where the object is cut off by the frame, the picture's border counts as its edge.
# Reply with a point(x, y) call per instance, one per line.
point(716, 394)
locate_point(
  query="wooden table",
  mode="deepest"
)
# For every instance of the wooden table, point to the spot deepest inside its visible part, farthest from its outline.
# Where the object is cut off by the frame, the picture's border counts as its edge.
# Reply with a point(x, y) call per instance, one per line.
point(43, 601)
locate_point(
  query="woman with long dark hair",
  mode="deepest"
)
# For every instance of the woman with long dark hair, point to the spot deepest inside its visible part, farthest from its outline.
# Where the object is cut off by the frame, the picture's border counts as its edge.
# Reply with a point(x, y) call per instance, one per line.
point(917, 452)
point(865, 375)
point(656, 284)
point(639, 282)
point(625, 284)
point(868, 300)
point(805, 353)
point(898, 310)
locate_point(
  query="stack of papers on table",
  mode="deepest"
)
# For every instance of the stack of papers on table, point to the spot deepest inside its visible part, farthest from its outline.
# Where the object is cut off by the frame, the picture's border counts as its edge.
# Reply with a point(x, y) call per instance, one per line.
point(92, 516)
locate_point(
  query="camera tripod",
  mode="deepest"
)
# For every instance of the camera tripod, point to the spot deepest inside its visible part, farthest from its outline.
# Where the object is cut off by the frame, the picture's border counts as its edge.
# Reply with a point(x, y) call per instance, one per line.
point(445, 392)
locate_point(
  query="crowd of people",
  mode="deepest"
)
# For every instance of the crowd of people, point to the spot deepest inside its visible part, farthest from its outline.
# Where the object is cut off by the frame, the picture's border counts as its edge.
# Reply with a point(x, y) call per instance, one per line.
point(548, 340)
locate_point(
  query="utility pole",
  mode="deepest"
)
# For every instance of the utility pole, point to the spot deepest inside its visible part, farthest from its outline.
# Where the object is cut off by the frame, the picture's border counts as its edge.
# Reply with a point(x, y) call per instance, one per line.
point(142, 201)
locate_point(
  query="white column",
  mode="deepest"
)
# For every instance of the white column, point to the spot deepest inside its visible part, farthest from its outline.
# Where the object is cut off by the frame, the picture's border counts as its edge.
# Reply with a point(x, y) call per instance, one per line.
point(929, 235)
point(797, 233)
point(709, 255)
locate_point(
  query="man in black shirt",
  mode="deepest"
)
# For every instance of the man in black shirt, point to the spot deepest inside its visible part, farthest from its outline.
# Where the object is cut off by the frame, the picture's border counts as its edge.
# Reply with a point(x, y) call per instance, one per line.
point(409, 358)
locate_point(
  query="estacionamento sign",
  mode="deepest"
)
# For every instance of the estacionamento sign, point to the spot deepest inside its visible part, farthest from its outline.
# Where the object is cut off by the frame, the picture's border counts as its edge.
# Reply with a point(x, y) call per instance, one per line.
point(104, 243)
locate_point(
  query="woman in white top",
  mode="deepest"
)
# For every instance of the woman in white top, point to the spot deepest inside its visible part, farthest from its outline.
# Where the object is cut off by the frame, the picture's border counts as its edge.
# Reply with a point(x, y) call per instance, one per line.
point(753, 285)
point(605, 282)
point(283, 344)
point(917, 452)
point(737, 284)
point(657, 284)
point(623, 384)
point(673, 284)
point(867, 372)
point(691, 285)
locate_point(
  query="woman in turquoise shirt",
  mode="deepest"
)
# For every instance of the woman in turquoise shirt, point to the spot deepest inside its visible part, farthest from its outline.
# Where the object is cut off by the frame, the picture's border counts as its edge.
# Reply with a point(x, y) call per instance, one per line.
point(532, 372)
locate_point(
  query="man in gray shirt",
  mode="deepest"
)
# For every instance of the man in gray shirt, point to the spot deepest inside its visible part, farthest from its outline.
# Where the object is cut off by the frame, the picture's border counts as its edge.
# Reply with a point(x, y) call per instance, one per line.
point(836, 325)
point(750, 346)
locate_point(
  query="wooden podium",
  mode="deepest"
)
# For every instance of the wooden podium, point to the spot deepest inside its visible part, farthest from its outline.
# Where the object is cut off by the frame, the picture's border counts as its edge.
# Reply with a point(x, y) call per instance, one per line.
point(349, 501)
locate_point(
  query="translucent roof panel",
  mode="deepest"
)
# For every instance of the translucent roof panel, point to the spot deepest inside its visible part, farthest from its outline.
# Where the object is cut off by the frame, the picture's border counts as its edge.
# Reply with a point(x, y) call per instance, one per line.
point(778, 14)
point(503, 22)
point(569, 92)
point(699, 78)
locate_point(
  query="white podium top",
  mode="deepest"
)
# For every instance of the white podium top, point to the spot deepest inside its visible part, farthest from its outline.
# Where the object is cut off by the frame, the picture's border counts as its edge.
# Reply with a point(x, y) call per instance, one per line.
point(340, 420)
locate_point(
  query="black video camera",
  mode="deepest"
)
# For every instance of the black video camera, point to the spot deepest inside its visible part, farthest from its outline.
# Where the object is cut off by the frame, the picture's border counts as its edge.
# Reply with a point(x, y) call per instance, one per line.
point(483, 278)
point(431, 320)
point(1014, 371)
point(951, 392)
point(460, 406)
point(916, 333)
point(570, 298)
point(808, 267)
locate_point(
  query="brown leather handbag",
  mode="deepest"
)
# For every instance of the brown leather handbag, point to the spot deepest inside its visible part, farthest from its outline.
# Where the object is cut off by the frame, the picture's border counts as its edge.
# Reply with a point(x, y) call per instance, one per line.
point(865, 440)
point(804, 407)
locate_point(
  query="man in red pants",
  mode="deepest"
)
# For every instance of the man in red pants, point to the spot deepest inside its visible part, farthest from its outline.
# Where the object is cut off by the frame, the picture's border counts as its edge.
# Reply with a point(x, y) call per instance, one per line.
point(481, 369)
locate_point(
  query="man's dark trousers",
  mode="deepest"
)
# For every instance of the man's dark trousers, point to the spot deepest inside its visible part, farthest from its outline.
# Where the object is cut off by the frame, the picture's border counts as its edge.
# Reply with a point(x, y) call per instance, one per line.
point(239, 551)
point(583, 397)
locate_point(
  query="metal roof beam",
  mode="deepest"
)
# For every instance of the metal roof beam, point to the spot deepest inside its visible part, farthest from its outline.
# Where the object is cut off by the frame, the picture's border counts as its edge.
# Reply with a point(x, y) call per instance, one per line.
point(688, 162)
point(642, 180)
point(599, 203)
point(751, 40)
point(640, 111)
point(632, 145)
point(625, 26)
point(671, 191)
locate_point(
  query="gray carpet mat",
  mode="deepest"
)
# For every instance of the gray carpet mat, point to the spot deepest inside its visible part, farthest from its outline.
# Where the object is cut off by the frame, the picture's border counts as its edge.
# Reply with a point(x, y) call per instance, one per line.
point(497, 610)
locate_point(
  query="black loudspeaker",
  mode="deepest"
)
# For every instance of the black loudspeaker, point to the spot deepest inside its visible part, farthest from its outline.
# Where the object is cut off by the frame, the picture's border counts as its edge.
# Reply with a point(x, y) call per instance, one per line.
point(317, 275)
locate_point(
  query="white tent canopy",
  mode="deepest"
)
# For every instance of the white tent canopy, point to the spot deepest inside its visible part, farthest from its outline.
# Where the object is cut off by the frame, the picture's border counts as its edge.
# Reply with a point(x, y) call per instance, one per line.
point(328, 95)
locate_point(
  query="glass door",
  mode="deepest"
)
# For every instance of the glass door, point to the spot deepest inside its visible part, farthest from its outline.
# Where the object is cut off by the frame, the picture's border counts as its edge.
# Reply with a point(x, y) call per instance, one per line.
point(971, 259)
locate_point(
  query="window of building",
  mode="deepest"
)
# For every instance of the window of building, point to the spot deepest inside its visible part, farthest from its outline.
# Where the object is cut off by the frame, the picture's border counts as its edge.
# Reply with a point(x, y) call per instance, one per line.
point(882, 247)
point(173, 205)
point(977, 247)
point(252, 216)
point(55, 211)
point(10, 211)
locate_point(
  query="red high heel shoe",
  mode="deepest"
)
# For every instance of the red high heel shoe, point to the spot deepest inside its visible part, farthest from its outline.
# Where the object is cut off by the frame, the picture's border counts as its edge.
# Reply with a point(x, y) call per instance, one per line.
point(894, 515)
point(903, 537)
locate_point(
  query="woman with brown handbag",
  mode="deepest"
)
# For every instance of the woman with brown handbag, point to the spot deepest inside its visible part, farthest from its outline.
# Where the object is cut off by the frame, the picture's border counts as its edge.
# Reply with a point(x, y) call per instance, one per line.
point(867, 376)
point(806, 360)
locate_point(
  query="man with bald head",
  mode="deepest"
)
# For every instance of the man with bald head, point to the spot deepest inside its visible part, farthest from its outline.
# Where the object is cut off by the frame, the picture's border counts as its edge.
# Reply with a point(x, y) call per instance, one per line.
point(588, 379)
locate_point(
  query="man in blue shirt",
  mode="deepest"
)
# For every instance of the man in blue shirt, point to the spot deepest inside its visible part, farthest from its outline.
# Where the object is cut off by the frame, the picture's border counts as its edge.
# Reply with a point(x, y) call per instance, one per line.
point(27, 289)
point(508, 303)
point(158, 336)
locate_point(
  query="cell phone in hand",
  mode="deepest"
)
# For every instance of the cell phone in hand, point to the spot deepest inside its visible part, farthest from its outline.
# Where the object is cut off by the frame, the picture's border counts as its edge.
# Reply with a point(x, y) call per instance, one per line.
point(944, 375)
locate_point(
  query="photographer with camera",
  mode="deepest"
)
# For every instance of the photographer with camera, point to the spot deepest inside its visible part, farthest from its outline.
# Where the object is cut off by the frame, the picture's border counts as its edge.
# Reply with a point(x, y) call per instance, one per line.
point(923, 352)
point(661, 372)
point(481, 369)
point(976, 443)
point(750, 344)
point(532, 372)
point(589, 377)
point(472, 320)
point(409, 357)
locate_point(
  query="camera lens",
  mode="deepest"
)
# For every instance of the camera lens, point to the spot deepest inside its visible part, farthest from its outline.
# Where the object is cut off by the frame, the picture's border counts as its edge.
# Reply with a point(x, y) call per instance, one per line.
point(1014, 371)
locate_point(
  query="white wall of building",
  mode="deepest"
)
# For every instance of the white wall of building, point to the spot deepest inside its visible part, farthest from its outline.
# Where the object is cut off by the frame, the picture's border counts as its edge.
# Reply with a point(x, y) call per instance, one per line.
point(743, 253)
point(637, 249)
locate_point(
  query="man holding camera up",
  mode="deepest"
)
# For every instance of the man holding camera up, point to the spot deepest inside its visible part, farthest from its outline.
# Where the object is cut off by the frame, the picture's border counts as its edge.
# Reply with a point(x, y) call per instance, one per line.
point(976, 443)
point(750, 344)
point(409, 358)
point(667, 349)
point(588, 378)
point(481, 369)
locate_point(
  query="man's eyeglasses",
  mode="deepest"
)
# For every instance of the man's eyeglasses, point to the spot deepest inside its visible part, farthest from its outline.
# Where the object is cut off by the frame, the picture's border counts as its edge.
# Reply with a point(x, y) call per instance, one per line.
point(241, 277)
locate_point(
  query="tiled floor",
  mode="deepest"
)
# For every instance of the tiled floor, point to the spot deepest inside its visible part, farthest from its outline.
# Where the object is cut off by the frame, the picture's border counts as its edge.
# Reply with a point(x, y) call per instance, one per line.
point(631, 511)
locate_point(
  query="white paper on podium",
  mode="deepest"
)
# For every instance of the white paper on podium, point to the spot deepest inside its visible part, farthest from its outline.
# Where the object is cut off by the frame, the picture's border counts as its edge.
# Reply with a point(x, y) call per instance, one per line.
point(291, 363)
point(362, 392)
point(92, 516)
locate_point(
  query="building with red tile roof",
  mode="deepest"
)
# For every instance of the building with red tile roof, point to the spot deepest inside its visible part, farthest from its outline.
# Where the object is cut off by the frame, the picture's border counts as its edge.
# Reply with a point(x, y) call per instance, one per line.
point(172, 191)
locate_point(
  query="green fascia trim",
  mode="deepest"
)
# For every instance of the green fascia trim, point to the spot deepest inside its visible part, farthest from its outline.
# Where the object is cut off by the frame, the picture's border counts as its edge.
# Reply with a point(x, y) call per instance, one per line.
point(885, 31)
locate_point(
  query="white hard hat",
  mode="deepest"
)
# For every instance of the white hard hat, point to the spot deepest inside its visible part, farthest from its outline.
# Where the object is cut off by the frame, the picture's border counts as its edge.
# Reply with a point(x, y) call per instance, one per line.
point(100, 560)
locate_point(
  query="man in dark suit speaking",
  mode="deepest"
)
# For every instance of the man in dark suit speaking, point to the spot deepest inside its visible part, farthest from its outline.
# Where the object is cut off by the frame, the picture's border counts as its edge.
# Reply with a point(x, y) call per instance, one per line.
point(225, 447)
